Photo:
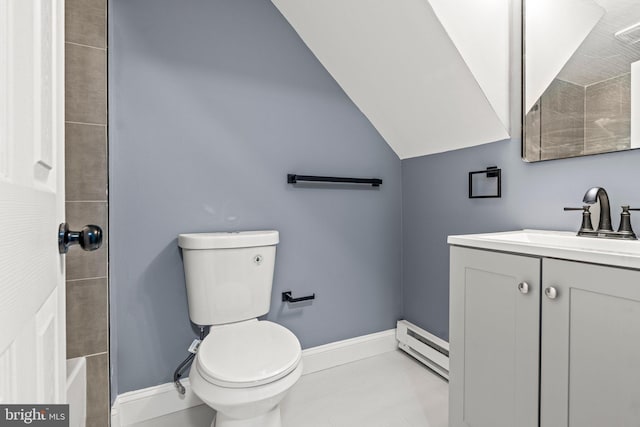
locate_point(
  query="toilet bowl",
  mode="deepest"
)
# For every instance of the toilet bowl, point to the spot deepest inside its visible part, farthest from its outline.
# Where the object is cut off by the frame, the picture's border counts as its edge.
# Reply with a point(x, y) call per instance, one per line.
point(250, 407)
point(244, 370)
point(244, 367)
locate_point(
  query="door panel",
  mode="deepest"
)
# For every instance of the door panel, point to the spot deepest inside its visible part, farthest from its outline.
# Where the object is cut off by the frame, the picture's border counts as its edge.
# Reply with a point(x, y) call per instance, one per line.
point(4, 88)
point(489, 348)
point(47, 342)
point(494, 338)
point(32, 330)
point(9, 375)
point(590, 346)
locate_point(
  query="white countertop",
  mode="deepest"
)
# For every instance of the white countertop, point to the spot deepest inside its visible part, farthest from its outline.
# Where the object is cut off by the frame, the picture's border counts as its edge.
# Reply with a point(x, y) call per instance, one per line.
point(557, 244)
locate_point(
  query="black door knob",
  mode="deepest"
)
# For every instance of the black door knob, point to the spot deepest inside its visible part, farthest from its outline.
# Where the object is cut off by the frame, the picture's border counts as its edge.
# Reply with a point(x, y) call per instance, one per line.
point(89, 238)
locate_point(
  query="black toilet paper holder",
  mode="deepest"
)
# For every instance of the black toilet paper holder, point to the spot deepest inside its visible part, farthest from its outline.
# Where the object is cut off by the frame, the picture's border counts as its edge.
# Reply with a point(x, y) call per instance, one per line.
point(286, 297)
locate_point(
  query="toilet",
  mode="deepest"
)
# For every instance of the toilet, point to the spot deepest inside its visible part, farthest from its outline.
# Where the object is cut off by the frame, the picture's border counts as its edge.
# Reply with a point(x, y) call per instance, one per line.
point(244, 367)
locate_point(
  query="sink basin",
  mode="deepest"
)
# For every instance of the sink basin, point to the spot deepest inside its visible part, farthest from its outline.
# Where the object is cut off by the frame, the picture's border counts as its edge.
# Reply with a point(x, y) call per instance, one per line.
point(556, 244)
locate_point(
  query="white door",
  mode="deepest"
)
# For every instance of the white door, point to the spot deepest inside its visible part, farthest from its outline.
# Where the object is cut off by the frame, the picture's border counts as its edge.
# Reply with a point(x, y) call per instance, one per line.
point(32, 297)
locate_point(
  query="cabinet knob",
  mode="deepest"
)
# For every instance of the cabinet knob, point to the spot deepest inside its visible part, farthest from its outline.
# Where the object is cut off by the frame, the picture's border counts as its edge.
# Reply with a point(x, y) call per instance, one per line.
point(551, 292)
point(523, 287)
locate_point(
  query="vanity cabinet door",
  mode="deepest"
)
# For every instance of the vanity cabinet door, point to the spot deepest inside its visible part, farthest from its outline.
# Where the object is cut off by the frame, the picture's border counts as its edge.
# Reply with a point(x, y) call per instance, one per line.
point(494, 339)
point(590, 346)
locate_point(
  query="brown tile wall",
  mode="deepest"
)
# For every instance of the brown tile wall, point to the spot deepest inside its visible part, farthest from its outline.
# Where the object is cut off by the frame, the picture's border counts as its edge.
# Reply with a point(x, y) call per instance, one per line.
point(571, 120)
point(532, 141)
point(86, 193)
point(608, 115)
point(562, 118)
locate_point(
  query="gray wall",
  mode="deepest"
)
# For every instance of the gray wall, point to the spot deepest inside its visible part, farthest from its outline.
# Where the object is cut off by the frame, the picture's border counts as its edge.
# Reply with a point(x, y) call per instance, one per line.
point(211, 104)
point(435, 205)
point(435, 202)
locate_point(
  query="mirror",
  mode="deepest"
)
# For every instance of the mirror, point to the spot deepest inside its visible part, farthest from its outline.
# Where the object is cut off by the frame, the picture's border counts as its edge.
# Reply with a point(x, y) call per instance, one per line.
point(581, 65)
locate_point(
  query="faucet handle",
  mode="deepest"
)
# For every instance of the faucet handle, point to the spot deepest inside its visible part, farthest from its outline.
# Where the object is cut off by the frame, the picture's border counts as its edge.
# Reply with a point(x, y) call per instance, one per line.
point(586, 218)
point(625, 222)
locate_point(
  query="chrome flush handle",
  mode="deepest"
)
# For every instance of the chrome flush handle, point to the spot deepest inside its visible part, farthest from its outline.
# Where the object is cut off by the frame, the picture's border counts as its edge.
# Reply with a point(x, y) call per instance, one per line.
point(523, 287)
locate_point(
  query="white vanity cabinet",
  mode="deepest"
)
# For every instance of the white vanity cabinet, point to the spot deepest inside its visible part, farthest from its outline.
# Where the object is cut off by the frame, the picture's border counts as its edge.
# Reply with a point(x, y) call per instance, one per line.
point(590, 346)
point(494, 338)
point(537, 341)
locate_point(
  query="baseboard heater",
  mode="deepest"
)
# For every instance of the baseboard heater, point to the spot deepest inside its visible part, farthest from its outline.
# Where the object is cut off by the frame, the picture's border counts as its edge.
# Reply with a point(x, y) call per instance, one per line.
point(423, 346)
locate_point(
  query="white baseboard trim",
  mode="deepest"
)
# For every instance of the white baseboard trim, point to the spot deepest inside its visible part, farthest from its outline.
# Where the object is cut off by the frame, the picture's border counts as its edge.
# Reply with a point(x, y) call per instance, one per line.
point(142, 405)
point(340, 352)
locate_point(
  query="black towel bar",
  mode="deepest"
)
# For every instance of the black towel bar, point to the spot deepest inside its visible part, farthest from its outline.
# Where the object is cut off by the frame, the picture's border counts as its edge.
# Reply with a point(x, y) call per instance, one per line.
point(294, 178)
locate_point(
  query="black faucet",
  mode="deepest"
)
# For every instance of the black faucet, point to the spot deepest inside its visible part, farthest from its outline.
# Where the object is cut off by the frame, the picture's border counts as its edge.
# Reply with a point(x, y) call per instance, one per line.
point(593, 195)
point(604, 229)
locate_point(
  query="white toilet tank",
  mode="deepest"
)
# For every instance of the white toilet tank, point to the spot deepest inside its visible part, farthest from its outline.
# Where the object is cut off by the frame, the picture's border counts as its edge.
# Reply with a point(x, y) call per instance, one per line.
point(228, 275)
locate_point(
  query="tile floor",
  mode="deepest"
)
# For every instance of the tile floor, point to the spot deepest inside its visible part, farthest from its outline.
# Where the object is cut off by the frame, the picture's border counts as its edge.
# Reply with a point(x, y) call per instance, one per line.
point(389, 390)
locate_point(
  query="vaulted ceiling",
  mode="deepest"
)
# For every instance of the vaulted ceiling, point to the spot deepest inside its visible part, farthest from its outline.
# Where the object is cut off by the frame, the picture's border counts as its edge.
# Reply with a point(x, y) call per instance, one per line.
point(430, 75)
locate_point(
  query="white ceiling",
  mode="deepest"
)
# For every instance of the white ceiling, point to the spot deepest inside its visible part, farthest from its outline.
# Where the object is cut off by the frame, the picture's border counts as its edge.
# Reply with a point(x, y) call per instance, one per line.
point(413, 78)
point(480, 32)
point(601, 56)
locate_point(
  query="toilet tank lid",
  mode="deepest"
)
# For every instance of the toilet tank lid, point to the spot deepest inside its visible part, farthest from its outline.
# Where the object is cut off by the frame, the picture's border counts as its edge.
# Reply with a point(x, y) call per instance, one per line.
point(228, 240)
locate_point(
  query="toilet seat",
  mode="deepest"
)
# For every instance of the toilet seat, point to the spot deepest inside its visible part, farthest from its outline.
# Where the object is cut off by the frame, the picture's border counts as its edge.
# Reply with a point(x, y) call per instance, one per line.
point(248, 354)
